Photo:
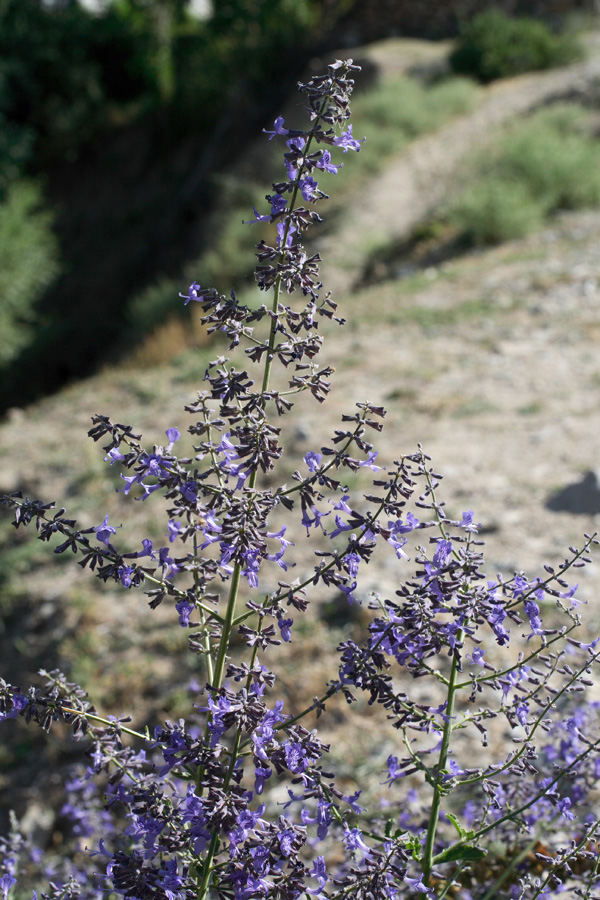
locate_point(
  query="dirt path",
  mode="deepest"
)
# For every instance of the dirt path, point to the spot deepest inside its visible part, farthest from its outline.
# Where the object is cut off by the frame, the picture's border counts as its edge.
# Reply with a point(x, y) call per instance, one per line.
point(409, 188)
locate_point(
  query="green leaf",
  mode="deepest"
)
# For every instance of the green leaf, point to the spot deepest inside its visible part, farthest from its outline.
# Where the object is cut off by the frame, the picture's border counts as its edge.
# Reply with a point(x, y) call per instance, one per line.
point(463, 833)
point(452, 854)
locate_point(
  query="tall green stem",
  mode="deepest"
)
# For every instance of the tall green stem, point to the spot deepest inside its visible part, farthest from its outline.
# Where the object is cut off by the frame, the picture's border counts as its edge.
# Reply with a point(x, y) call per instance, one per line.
point(442, 759)
point(231, 605)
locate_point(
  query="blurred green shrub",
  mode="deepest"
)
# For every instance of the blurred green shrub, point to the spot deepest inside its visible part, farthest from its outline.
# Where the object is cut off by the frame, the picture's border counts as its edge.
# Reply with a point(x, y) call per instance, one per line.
point(396, 110)
point(246, 51)
point(148, 76)
point(542, 165)
point(28, 264)
point(493, 45)
point(227, 262)
point(497, 210)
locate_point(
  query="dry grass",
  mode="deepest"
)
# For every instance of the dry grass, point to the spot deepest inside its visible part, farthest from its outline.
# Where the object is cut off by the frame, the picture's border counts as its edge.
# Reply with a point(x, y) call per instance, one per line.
point(170, 340)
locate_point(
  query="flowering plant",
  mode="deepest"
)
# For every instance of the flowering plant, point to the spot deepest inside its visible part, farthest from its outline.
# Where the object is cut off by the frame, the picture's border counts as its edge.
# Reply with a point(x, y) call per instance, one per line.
point(188, 811)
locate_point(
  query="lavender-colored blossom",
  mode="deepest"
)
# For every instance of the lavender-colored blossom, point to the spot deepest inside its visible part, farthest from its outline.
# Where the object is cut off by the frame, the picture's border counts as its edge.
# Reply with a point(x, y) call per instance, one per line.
point(416, 884)
point(251, 565)
point(319, 871)
point(496, 617)
point(278, 204)
point(442, 553)
point(296, 143)
point(467, 521)
point(19, 705)
point(266, 218)
point(114, 455)
point(104, 532)
point(322, 819)
point(261, 775)
point(173, 529)
point(308, 186)
point(317, 515)
point(532, 611)
point(6, 882)
point(404, 527)
point(520, 585)
point(347, 142)
point(343, 505)
point(192, 294)
point(189, 490)
point(353, 841)
point(521, 712)
point(313, 460)
point(184, 608)
point(283, 543)
point(394, 771)
point(398, 544)
point(340, 528)
point(324, 163)
point(279, 128)
point(169, 566)
point(564, 807)
point(125, 575)
point(295, 756)
point(477, 656)
point(285, 627)
point(146, 550)
point(370, 462)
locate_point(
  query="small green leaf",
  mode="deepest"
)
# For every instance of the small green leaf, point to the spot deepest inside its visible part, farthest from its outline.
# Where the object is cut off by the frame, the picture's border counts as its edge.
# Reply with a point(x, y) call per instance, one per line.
point(452, 854)
point(463, 833)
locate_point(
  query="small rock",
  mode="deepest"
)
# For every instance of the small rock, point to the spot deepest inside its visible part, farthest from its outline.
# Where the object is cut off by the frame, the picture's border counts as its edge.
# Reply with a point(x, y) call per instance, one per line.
point(38, 822)
point(10, 480)
point(301, 432)
point(15, 415)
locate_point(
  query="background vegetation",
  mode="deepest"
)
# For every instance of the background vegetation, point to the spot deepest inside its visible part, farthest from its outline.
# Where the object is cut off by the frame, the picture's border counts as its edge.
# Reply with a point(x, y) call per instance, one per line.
point(493, 45)
point(126, 164)
point(547, 163)
point(123, 119)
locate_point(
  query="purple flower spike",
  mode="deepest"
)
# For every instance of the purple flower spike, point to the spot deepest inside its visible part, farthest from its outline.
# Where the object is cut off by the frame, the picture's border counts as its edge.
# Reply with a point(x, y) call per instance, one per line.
point(6, 882)
point(178, 810)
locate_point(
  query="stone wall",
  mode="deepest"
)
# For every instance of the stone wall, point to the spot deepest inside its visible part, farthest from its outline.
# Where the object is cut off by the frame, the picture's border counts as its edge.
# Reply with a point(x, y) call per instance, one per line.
point(371, 20)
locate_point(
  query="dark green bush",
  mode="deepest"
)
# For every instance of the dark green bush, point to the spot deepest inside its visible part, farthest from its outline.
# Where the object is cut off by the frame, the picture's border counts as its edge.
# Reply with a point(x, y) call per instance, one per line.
point(62, 72)
point(493, 45)
point(28, 263)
